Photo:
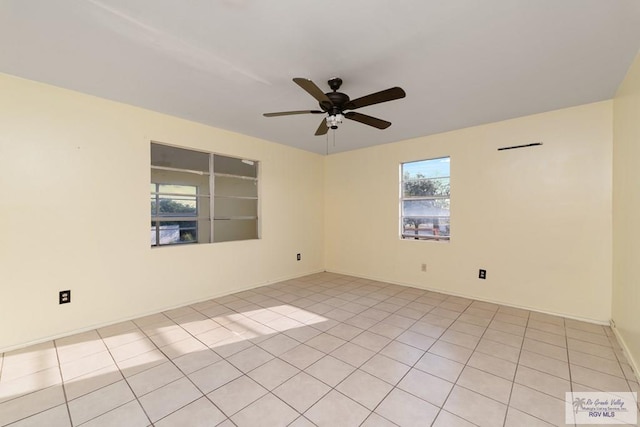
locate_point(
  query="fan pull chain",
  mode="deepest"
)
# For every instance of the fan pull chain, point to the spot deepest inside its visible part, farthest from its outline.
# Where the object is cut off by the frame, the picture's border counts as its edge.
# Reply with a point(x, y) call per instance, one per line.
point(327, 145)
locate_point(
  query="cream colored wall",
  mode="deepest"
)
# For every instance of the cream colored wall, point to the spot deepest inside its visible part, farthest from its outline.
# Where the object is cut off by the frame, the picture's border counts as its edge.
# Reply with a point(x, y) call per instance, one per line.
point(626, 213)
point(74, 214)
point(537, 219)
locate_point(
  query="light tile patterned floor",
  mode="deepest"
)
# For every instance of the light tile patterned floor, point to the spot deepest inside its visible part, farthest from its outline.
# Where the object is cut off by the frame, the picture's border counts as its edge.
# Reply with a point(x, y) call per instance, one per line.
point(324, 350)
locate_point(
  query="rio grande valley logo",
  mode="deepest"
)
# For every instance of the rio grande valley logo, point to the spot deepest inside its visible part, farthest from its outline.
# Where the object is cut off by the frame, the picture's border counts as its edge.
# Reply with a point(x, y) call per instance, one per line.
point(601, 408)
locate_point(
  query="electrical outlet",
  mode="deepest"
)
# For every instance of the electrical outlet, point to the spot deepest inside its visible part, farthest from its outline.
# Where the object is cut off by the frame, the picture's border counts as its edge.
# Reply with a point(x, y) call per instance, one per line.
point(298, 257)
point(64, 297)
point(482, 274)
point(423, 267)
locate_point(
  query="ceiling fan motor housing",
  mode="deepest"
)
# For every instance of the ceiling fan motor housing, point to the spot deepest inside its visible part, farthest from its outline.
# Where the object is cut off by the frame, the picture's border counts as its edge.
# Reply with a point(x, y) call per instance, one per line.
point(338, 99)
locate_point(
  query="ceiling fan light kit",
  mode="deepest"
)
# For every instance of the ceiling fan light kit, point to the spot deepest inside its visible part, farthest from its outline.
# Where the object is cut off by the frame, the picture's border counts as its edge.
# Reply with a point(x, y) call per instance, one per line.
point(334, 104)
point(334, 120)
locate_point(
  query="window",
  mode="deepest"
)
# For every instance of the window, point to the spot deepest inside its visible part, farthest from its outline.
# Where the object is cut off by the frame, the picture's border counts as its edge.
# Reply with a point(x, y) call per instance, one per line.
point(183, 208)
point(174, 211)
point(425, 200)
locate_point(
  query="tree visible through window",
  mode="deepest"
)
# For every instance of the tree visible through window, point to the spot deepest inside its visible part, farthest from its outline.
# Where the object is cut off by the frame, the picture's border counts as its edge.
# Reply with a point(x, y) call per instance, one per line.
point(426, 199)
point(174, 209)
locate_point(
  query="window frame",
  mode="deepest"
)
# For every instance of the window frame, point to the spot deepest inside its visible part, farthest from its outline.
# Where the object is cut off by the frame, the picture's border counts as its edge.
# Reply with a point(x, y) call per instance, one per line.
point(200, 197)
point(158, 218)
point(424, 237)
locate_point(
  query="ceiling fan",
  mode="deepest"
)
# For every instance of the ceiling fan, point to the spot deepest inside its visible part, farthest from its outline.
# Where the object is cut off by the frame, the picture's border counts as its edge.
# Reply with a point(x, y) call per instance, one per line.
point(335, 104)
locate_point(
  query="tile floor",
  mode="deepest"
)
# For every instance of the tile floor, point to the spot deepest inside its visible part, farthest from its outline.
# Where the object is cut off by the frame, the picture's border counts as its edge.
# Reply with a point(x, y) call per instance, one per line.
point(324, 350)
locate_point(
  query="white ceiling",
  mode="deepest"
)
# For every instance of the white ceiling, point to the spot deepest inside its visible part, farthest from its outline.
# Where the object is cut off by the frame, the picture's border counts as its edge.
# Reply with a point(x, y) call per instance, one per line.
point(225, 62)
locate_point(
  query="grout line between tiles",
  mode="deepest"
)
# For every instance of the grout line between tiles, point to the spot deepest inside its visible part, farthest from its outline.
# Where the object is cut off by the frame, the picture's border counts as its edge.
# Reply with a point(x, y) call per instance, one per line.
point(331, 388)
point(182, 372)
point(513, 382)
point(62, 384)
point(243, 373)
point(334, 388)
point(124, 377)
point(441, 408)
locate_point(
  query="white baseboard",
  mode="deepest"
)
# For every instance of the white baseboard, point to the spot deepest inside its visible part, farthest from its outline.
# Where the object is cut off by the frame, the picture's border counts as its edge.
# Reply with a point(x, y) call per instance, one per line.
point(155, 311)
point(490, 300)
point(627, 353)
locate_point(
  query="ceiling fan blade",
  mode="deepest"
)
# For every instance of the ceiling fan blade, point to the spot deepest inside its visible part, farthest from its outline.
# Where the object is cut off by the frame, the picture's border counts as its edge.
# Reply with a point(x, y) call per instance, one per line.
point(290, 113)
point(313, 90)
point(322, 129)
point(376, 98)
point(367, 120)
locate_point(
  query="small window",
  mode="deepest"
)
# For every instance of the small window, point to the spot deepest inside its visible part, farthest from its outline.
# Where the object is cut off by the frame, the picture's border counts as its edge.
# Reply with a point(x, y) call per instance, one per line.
point(174, 210)
point(183, 208)
point(425, 200)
